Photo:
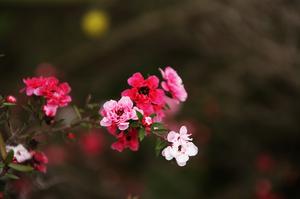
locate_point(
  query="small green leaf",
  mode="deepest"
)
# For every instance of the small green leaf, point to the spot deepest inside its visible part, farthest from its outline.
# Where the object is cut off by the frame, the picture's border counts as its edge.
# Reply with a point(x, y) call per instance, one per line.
point(20, 167)
point(142, 134)
point(86, 125)
point(135, 124)
point(8, 104)
point(159, 145)
point(11, 176)
point(153, 115)
point(139, 115)
point(77, 111)
point(1, 165)
point(9, 157)
point(157, 126)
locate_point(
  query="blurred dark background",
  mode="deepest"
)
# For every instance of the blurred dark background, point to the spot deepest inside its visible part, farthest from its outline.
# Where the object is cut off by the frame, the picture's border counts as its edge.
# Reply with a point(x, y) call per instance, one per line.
point(239, 60)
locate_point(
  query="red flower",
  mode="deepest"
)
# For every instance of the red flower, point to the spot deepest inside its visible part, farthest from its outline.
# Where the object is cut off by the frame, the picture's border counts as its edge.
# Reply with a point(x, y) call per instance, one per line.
point(39, 161)
point(127, 139)
point(145, 93)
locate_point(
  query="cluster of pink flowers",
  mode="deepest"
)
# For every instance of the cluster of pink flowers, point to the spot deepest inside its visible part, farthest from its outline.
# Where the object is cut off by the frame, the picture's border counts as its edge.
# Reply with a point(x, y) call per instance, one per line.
point(141, 110)
point(55, 93)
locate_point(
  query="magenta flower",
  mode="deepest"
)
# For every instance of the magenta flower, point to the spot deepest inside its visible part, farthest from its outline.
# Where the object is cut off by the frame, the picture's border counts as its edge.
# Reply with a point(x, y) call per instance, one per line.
point(145, 93)
point(118, 113)
point(127, 140)
point(173, 84)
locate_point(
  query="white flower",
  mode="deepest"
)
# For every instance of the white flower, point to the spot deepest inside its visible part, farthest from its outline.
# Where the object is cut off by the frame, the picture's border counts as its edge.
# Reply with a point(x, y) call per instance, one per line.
point(181, 148)
point(20, 153)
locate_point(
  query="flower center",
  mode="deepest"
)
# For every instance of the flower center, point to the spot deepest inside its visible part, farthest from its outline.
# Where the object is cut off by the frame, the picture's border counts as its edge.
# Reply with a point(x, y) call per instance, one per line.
point(120, 112)
point(128, 137)
point(179, 148)
point(144, 90)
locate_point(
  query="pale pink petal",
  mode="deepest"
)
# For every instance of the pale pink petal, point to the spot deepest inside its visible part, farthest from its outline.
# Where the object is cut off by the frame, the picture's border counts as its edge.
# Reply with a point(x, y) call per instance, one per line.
point(105, 122)
point(191, 149)
point(182, 159)
point(126, 102)
point(172, 136)
point(50, 110)
point(109, 105)
point(166, 153)
point(164, 85)
point(123, 126)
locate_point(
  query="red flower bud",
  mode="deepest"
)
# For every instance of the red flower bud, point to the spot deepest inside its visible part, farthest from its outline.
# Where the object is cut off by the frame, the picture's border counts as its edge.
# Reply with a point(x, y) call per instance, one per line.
point(11, 99)
point(71, 136)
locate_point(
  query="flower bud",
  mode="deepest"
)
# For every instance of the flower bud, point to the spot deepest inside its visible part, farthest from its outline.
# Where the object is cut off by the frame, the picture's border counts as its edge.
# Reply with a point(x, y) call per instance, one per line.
point(11, 99)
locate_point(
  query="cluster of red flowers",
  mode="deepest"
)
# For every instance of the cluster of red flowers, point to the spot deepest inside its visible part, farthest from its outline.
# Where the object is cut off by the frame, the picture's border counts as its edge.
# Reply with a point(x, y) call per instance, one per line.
point(55, 93)
point(140, 107)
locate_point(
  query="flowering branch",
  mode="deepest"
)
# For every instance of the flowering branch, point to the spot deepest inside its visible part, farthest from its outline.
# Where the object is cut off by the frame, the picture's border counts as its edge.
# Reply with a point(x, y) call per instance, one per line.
point(139, 112)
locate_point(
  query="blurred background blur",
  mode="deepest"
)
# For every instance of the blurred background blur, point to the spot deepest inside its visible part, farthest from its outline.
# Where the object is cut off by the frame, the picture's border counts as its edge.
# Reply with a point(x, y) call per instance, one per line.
point(239, 60)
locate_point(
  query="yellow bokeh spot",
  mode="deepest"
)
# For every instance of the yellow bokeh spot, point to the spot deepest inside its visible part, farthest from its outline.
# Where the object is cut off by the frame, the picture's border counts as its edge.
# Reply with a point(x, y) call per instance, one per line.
point(95, 23)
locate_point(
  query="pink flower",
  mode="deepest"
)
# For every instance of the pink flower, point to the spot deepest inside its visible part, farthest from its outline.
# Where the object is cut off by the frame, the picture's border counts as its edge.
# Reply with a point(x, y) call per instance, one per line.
point(50, 110)
point(145, 93)
point(55, 93)
point(118, 113)
point(127, 140)
point(147, 121)
point(39, 161)
point(173, 84)
point(181, 147)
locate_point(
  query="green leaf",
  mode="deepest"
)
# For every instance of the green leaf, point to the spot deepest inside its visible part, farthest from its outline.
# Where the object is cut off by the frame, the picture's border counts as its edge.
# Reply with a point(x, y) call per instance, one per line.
point(142, 134)
point(135, 124)
point(139, 115)
point(9, 157)
point(159, 145)
point(77, 111)
point(157, 126)
point(11, 176)
point(153, 115)
point(20, 167)
point(8, 104)
point(2, 165)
